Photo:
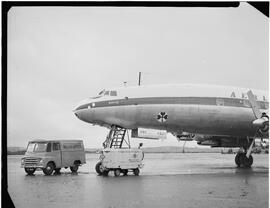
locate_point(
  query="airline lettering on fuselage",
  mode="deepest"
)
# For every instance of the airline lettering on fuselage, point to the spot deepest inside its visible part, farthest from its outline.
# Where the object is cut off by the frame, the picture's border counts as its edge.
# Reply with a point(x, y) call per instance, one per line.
point(113, 102)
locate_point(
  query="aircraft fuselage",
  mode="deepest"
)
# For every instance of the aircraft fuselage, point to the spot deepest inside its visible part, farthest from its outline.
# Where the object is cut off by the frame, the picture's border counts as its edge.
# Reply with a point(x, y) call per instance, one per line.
point(199, 109)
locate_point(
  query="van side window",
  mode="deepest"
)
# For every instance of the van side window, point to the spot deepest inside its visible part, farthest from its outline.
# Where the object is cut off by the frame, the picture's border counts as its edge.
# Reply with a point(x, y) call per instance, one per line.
point(49, 149)
point(72, 146)
point(113, 93)
point(106, 93)
point(77, 146)
point(56, 146)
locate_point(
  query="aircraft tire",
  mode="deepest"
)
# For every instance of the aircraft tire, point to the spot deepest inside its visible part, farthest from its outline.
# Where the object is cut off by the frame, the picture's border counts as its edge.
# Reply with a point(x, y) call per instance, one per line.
point(242, 157)
point(237, 159)
point(247, 162)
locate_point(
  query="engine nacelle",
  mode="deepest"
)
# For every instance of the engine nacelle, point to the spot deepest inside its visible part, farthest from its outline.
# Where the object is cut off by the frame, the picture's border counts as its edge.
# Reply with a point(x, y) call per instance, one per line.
point(185, 136)
point(219, 141)
point(262, 123)
point(211, 143)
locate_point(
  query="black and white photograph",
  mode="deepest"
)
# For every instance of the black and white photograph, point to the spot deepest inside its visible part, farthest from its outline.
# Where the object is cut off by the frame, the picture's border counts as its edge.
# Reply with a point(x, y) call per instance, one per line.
point(135, 104)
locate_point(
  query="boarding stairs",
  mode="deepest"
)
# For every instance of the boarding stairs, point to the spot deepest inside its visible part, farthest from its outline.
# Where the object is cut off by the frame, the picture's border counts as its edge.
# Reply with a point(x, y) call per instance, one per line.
point(115, 138)
point(118, 138)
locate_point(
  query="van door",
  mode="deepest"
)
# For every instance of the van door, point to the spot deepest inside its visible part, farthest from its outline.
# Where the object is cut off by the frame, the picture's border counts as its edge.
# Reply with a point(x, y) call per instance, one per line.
point(56, 151)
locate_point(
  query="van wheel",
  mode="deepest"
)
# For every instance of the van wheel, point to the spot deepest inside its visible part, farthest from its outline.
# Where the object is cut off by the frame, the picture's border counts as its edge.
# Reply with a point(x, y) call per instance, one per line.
point(74, 168)
point(136, 171)
point(105, 173)
point(30, 171)
point(49, 169)
point(117, 172)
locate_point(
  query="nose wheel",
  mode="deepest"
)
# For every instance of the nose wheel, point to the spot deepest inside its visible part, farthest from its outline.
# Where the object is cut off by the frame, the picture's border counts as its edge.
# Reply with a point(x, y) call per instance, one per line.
point(241, 160)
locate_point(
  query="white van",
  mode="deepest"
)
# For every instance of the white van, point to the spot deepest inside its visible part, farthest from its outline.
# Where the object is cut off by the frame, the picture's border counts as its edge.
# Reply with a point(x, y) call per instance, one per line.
point(52, 155)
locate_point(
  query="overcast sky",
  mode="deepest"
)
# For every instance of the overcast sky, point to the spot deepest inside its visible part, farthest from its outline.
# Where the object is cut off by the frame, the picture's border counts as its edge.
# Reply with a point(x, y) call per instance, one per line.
point(59, 56)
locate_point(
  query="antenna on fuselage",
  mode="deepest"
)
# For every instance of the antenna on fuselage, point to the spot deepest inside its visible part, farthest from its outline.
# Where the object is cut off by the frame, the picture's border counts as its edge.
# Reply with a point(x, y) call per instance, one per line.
point(139, 78)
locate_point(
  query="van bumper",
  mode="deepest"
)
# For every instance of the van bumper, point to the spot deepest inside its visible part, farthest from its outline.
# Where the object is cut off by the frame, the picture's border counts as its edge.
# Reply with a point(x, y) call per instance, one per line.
point(32, 166)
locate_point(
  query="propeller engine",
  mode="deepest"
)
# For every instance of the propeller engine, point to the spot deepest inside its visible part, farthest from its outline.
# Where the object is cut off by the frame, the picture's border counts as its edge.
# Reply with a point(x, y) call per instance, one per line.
point(262, 119)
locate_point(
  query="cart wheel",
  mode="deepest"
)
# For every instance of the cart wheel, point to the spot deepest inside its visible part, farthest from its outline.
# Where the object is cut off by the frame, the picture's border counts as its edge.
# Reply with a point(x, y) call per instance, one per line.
point(136, 171)
point(98, 168)
point(125, 172)
point(105, 172)
point(117, 172)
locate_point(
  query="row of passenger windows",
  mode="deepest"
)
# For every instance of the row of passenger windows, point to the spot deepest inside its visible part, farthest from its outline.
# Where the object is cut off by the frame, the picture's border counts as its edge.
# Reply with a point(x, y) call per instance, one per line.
point(244, 96)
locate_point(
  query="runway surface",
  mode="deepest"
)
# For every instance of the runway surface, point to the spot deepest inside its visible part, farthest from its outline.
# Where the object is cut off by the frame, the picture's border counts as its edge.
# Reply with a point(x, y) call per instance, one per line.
point(167, 180)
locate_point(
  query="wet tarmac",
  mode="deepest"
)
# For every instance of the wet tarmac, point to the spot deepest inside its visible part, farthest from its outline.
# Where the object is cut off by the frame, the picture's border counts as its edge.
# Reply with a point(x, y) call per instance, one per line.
point(166, 180)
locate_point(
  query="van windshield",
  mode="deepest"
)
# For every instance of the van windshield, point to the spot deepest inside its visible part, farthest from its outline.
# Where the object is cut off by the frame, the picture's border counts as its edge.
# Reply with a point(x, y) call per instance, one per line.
point(37, 147)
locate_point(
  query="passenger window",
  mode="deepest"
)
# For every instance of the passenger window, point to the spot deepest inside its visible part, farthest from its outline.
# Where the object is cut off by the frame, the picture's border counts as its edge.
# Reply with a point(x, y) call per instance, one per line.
point(219, 101)
point(107, 93)
point(101, 92)
point(113, 93)
point(56, 146)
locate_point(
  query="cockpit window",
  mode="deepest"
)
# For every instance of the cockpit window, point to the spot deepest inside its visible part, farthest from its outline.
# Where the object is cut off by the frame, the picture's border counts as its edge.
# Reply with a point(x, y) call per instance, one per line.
point(113, 93)
point(101, 92)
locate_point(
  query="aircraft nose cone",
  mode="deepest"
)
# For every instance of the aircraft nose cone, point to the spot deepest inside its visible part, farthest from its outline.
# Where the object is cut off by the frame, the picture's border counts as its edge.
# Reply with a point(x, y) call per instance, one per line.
point(80, 106)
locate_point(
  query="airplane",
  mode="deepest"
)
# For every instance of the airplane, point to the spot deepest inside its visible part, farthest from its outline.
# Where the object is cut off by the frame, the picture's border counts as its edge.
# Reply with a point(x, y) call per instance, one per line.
point(218, 116)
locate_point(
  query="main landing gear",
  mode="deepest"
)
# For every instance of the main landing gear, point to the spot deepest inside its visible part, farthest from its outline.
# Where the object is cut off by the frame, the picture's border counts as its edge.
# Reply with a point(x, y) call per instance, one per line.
point(244, 159)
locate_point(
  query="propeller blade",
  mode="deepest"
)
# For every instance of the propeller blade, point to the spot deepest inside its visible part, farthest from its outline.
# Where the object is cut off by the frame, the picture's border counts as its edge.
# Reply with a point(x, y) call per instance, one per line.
point(254, 105)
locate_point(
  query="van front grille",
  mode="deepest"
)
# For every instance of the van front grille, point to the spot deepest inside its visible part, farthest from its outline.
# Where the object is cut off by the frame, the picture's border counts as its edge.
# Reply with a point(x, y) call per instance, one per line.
point(31, 161)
